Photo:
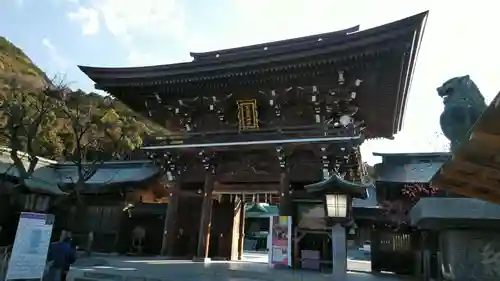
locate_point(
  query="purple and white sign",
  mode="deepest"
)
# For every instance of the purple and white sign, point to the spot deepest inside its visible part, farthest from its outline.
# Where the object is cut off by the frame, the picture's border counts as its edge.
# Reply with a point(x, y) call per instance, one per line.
point(29, 253)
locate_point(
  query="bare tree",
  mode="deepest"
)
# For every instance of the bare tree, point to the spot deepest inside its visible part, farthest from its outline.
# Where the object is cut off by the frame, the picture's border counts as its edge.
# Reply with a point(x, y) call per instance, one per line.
point(95, 135)
point(26, 116)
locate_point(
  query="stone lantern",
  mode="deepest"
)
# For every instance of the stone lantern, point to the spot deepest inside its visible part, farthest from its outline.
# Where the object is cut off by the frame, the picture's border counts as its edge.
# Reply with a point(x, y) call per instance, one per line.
point(337, 194)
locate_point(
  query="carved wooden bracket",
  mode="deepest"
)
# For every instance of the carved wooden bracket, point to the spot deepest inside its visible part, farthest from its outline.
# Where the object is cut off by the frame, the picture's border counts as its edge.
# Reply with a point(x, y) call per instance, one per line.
point(209, 161)
point(325, 161)
point(171, 165)
point(283, 156)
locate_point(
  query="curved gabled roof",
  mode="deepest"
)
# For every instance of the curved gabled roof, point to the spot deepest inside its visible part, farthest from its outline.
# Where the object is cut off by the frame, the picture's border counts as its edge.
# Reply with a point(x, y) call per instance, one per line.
point(287, 45)
point(391, 46)
point(285, 50)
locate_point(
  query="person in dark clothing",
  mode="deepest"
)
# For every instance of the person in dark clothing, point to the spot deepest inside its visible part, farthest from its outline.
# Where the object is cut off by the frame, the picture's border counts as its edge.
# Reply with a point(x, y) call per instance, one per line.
point(62, 255)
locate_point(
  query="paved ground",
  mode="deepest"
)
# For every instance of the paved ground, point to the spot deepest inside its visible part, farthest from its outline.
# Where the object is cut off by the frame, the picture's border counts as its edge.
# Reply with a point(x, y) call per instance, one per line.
point(358, 254)
point(258, 257)
point(158, 269)
point(356, 261)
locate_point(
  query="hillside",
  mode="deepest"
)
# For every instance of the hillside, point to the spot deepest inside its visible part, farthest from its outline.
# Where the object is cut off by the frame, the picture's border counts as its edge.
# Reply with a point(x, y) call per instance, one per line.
point(25, 86)
point(14, 63)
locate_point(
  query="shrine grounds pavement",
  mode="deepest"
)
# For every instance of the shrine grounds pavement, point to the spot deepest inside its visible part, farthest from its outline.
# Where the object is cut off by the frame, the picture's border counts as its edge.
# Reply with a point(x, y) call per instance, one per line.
point(100, 268)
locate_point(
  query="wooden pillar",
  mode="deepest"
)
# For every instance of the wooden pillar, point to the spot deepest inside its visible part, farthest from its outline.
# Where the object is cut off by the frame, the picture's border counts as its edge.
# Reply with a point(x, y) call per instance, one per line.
point(172, 172)
point(241, 229)
point(170, 228)
point(225, 223)
point(206, 218)
point(285, 208)
point(375, 256)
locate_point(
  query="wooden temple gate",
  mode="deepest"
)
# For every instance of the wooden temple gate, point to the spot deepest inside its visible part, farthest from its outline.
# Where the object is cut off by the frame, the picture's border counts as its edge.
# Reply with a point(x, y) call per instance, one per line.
point(267, 118)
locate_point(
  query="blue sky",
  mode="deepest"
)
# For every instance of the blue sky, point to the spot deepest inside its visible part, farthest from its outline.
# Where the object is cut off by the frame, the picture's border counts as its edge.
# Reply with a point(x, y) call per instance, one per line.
point(460, 39)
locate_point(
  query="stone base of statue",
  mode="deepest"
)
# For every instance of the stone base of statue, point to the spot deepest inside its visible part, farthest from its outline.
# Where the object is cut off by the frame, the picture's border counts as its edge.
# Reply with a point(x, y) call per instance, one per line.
point(468, 236)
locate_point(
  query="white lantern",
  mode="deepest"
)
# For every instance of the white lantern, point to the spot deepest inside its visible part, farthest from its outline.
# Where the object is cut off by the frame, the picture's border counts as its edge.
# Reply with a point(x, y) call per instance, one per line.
point(336, 205)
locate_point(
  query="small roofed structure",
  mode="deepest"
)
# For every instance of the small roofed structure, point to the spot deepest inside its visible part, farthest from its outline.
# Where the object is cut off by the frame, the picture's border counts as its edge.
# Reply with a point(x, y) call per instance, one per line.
point(114, 185)
point(108, 175)
point(474, 169)
point(409, 167)
point(51, 177)
point(118, 198)
point(38, 182)
point(337, 184)
point(401, 179)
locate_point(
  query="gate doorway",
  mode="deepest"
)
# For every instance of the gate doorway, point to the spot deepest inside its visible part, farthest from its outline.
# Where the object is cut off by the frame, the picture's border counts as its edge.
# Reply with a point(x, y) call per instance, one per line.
point(392, 251)
point(259, 208)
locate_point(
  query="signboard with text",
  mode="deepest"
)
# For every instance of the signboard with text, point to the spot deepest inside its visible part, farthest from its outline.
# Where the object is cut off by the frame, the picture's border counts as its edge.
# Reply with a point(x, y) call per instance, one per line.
point(29, 253)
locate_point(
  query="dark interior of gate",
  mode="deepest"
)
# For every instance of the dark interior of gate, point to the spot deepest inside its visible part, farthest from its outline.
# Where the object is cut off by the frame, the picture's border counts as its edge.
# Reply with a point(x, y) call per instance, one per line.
point(268, 119)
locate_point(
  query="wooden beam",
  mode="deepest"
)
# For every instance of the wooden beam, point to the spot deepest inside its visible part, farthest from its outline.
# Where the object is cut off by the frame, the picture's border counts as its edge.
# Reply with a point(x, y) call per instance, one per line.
point(479, 152)
point(266, 143)
point(246, 187)
point(486, 139)
point(474, 178)
point(485, 174)
point(189, 193)
point(248, 177)
point(465, 187)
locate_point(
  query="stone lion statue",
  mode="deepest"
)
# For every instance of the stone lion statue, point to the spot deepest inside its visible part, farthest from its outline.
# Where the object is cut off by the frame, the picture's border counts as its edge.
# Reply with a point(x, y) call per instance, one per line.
point(463, 105)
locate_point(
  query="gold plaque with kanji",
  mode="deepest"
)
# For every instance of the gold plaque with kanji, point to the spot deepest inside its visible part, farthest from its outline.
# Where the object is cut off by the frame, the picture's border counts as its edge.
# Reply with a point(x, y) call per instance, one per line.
point(248, 116)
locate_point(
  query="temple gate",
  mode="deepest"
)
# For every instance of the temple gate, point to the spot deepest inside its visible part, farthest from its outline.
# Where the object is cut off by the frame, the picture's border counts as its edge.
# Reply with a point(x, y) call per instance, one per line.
point(265, 119)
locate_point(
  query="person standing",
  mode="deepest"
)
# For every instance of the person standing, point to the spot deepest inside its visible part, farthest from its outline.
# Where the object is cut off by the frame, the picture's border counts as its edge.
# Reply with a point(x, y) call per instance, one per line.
point(61, 255)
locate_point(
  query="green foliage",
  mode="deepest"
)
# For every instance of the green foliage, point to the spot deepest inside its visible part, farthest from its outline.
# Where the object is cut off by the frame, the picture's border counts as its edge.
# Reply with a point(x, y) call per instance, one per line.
point(64, 125)
point(52, 121)
point(13, 61)
point(97, 130)
point(27, 124)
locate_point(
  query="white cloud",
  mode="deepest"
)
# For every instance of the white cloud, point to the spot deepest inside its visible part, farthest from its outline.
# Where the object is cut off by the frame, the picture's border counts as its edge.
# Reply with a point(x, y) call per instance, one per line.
point(158, 17)
point(59, 60)
point(128, 19)
point(88, 18)
point(137, 58)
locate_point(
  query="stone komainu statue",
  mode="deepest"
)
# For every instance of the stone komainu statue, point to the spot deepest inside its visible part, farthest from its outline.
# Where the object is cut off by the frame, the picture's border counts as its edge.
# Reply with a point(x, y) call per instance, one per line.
point(463, 105)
